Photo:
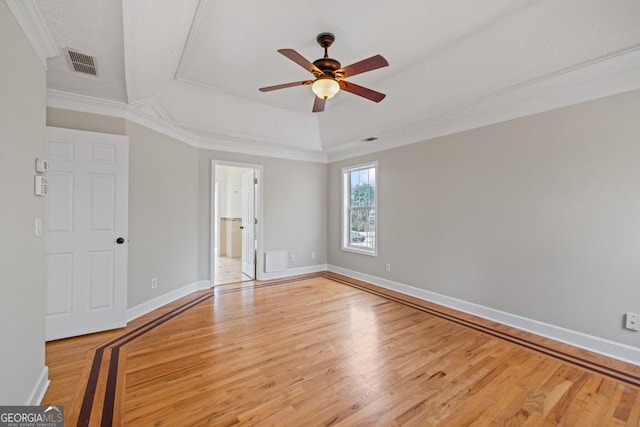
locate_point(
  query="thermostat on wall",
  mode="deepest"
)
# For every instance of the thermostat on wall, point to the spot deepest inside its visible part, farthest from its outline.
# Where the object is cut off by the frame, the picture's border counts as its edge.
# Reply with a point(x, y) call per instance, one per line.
point(42, 166)
point(41, 186)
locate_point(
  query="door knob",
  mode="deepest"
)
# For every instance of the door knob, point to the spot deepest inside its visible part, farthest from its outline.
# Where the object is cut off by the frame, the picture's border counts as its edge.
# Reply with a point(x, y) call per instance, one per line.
point(241, 228)
point(120, 240)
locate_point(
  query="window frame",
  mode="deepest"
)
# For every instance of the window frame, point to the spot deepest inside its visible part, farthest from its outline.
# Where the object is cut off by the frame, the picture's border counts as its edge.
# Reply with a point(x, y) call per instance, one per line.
point(346, 195)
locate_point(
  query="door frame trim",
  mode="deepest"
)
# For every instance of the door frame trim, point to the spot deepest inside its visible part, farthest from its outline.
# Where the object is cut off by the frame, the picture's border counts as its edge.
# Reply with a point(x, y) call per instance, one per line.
point(259, 231)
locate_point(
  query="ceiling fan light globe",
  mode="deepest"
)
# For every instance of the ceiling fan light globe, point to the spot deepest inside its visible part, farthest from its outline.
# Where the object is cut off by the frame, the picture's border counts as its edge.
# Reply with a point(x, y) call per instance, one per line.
point(325, 88)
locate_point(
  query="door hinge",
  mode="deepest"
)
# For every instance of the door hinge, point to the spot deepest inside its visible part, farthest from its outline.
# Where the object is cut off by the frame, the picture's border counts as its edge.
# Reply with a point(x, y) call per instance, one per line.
point(255, 220)
point(255, 180)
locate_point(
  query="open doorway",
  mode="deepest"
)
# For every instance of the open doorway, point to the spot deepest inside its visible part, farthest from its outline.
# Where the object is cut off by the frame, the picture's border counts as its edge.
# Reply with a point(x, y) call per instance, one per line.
point(235, 214)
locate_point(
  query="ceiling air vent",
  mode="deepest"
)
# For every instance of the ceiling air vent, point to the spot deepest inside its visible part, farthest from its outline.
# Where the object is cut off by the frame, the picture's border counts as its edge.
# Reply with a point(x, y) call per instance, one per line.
point(83, 63)
point(371, 138)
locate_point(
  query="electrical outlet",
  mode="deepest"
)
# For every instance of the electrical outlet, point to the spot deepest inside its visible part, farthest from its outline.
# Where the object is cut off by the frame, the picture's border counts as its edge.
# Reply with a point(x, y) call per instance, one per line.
point(154, 283)
point(293, 258)
point(313, 255)
point(633, 322)
point(387, 267)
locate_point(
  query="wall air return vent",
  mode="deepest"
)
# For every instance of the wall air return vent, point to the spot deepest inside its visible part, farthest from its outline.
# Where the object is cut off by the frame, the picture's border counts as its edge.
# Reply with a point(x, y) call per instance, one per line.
point(82, 63)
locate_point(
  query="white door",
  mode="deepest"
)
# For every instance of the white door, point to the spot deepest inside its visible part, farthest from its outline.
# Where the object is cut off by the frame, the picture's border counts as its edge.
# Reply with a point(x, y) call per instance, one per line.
point(86, 232)
point(248, 224)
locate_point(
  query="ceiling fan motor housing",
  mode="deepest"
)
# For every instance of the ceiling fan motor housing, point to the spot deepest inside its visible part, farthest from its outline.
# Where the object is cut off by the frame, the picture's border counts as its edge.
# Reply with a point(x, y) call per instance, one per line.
point(327, 65)
point(325, 39)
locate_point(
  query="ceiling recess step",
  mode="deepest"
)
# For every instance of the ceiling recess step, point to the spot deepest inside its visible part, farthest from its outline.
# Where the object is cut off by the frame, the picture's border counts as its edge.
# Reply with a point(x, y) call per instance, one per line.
point(82, 63)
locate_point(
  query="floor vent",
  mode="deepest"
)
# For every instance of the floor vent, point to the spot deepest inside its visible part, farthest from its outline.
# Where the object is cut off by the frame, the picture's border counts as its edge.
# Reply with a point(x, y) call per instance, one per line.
point(276, 261)
point(82, 63)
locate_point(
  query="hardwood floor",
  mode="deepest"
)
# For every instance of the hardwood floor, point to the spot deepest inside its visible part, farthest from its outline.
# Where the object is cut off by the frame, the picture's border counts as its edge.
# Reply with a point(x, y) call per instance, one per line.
point(327, 350)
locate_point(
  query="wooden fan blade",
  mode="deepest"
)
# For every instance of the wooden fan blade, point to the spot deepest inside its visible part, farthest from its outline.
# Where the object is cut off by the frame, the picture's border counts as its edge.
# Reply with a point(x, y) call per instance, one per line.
point(362, 91)
point(373, 63)
point(301, 61)
point(318, 104)
point(285, 85)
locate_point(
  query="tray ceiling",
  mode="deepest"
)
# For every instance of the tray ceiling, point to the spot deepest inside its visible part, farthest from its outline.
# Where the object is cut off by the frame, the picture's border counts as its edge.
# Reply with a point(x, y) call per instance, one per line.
point(197, 65)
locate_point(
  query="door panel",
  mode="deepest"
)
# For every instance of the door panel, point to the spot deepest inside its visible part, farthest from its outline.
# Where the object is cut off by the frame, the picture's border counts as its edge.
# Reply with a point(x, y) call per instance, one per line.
point(103, 193)
point(86, 212)
point(101, 279)
point(60, 201)
point(248, 224)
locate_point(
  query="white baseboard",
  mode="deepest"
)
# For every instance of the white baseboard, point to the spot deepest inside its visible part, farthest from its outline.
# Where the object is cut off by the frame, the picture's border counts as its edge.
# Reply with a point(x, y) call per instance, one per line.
point(149, 306)
point(40, 388)
point(598, 345)
point(204, 284)
point(293, 272)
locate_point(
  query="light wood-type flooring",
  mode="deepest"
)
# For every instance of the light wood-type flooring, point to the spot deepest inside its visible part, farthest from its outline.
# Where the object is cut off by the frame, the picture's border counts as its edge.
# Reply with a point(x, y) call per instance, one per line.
point(327, 350)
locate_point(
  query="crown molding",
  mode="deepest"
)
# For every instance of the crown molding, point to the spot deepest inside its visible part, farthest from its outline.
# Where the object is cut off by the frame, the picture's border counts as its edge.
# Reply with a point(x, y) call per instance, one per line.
point(153, 107)
point(85, 104)
point(160, 126)
point(608, 75)
point(105, 107)
point(228, 143)
point(246, 145)
point(30, 20)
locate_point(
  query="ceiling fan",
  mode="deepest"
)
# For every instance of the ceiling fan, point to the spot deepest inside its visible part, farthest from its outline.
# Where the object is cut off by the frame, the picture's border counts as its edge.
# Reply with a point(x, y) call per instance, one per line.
point(329, 74)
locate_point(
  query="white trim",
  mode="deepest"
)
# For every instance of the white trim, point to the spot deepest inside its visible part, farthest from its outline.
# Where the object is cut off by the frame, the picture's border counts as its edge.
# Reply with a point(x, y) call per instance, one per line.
point(345, 246)
point(204, 284)
point(40, 388)
point(294, 272)
point(162, 300)
point(85, 104)
point(157, 110)
point(608, 348)
point(30, 20)
point(105, 107)
point(160, 126)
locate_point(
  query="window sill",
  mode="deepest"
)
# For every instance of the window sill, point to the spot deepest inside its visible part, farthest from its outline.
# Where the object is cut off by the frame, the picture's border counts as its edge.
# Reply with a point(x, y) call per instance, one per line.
point(373, 253)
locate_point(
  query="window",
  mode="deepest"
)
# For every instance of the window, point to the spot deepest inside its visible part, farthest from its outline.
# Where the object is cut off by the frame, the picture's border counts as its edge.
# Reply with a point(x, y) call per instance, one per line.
point(359, 220)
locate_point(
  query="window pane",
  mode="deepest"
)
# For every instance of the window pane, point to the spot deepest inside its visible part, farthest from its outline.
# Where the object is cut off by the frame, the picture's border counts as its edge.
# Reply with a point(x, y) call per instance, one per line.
point(362, 228)
point(363, 187)
point(360, 205)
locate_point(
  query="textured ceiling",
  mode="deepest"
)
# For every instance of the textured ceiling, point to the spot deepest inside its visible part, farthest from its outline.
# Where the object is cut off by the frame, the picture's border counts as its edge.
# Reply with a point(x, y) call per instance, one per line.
point(197, 65)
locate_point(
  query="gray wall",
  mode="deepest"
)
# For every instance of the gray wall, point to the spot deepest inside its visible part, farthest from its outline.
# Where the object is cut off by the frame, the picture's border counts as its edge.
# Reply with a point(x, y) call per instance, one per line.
point(295, 195)
point(163, 213)
point(163, 204)
point(22, 139)
point(85, 121)
point(539, 216)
